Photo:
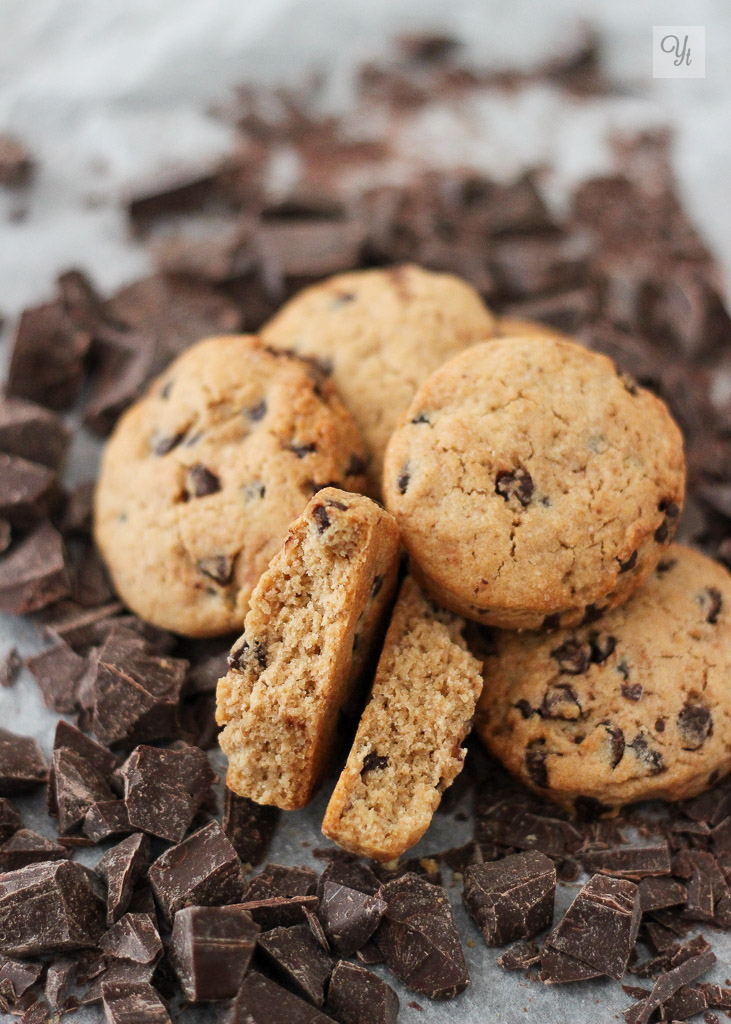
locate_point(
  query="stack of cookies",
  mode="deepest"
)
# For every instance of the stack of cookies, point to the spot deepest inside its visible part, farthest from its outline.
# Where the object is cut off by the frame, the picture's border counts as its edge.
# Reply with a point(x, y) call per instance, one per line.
point(537, 494)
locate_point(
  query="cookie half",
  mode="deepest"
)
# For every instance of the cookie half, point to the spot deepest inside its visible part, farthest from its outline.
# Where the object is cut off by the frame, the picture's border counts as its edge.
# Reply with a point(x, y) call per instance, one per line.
point(307, 638)
point(634, 706)
point(408, 746)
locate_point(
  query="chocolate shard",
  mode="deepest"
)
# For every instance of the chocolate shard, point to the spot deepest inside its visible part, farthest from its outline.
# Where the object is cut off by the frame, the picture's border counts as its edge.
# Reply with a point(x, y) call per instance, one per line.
point(280, 911)
point(667, 985)
point(66, 736)
point(633, 862)
point(60, 978)
point(136, 693)
point(49, 908)
point(16, 978)
point(600, 926)
point(686, 1002)
point(278, 880)
point(356, 995)
point(261, 1001)
point(520, 957)
point(349, 917)
point(165, 789)
point(659, 893)
point(106, 819)
point(46, 362)
point(77, 785)
point(203, 870)
point(353, 874)
point(511, 898)
point(134, 937)
point(419, 939)
point(10, 820)
point(31, 432)
point(21, 764)
point(249, 826)
point(121, 868)
point(211, 951)
point(133, 1002)
point(34, 574)
point(26, 847)
point(58, 671)
point(297, 960)
point(28, 492)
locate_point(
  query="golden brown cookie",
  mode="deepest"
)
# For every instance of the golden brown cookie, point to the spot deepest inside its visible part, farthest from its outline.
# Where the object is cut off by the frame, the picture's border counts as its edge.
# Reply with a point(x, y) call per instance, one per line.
point(381, 333)
point(307, 639)
point(532, 484)
point(634, 706)
point(202, 477)
point(408, 747)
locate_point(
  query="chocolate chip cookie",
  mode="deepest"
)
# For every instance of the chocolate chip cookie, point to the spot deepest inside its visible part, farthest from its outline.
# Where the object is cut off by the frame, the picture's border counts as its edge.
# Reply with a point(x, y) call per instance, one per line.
point(631, 707)
point(380, 333)
point(307, 639)
point(408, 747)
point(534, 485)
point(203, 476)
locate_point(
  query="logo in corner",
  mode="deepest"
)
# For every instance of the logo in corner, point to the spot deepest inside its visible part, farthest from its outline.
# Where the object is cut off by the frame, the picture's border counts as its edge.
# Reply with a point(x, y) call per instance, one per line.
point(679, 51)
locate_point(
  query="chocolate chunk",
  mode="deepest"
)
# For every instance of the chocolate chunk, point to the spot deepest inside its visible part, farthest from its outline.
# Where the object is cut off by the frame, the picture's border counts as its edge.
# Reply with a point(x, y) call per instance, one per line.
point(135, 938)
point(277, 880)
point(511, 898)
point(602, 647)
point(68, 737)
point(667, 985)
point(686, 1002)
point(695, 725)
point(34, 574)
point(121, 868)
point(652, 759)
point(31, 432)
point(21, 764)
point(296, 959)
point(600, 926)
point(219, 568)
point(559, 968)
point(136, 693)
point(403, 481)
point(350, 917)
point(561, 701)
point(630, 563)
point(249, 826)
point(26, 847)
point(162, 444)
point(535, 765)
point(106, 819)
point(211, 951)
point(203, 870)
point(616, 743)
point(666, 530)
point(49, 908)
point(46, 362)
point(10, 820)
point(60, 978)
point(28, 492)
point(712, 598)
point(201, 482)
point(133, 1002)
point(10, 667)
point(321, 517)
point(520, 957)
point(633, 862)
point(373, 762)
point(419, 939)
point(261, 1001)
point(57, 672)
point(632, 691)
point(164, 789)
point(16, 978)
point(356, 995)
point(351, 874)
point(516, 484)
point(659, 893)
point(573, 657)
point(77, 784)
point(280, 911)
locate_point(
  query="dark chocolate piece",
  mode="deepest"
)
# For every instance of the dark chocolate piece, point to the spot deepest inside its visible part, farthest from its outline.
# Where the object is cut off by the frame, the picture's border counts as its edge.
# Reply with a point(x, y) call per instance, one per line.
point(49, 908)
point(10, 820)
point(46, 359)
point(98, 756)
point(25, 847)
point(349, 917)
point(600, 926)
point(633, 862)
point(21, 764)
point(121, 868)
point(249, 826)
point(667, 985)
point(203, 870)
point(10, 665)
point(511, 898)
point(280, 911)
point(16, 978)
point(77, 784)
point(28, 492)
point(520, 957)
point(203, 676)
point(295, 957)
point(353, 874)
point(58, 671)
point(106, 819)
point(659, 893)
point(34, 573)
point(60, 978)
point(278, 880)
point(165, 789)
point(211, 951)
point(134, 937)
point(133, 1002)
point(419, 939)
point(261, 1001)
point(357, 996)
point(559, 968)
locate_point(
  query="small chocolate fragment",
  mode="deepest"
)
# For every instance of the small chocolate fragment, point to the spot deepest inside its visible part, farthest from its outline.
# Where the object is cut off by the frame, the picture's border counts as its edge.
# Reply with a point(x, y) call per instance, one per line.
point(652, 759)
point(686, 1002)
point(561, 701)
point(296, 959)
point(49, 908)
point(357, 996)
point(261, 1001)
point(26, 847)
point(77, 785)
point(535, 765)
point(203, 870)
point(121, 868)
point(249, 826)
point(520, 957)
point(632, 691)
point(600, 926)
point(57, 671)
point(106, 819)
point(211, 951)
point(659, 893)
point(135, 938)
point(695, 725)
point(353, 874)
point(419, 939)
point(34, 573)
point(511, 898)
point(165, 789)
point(10, 666)
point(667, 985)
point(349, 917)
point(28, 492)
point(277, 880)
point(46, 363)
point(21, 764)
point(16, 978)
point(219, 568)
point(559, 968)
point(133, 1002)
point(60, 978)
point(633, 862)
point(10, 820)
point(201, 482)
point(280, 911)
point(73, 739)
point(573, 657)
point(516, 484)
